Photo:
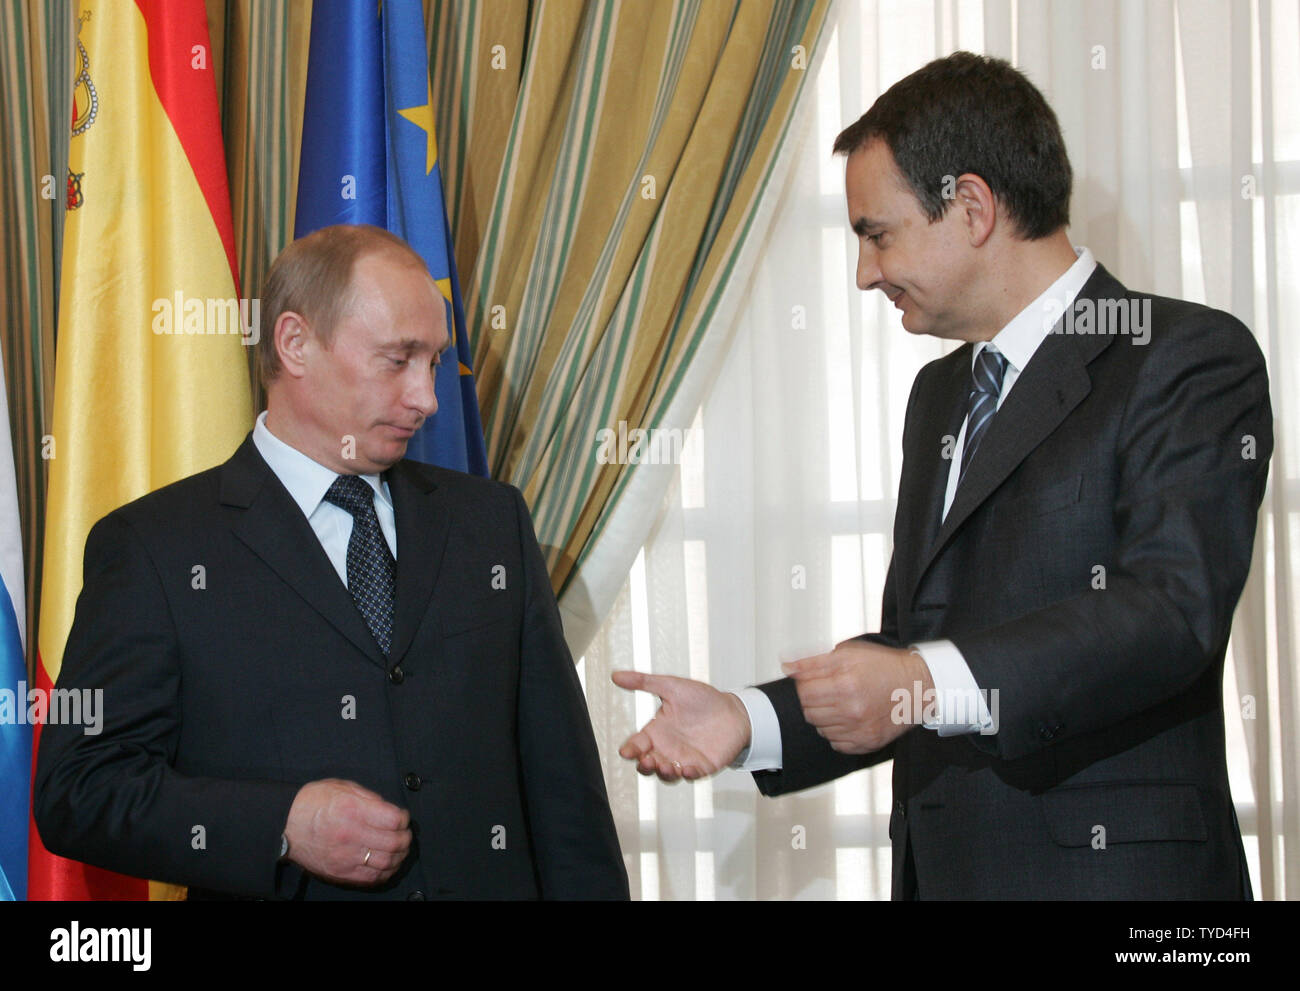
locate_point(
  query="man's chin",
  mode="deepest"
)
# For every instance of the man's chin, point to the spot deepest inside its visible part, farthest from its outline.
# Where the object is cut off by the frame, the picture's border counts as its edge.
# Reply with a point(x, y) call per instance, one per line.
point(914, 324)
point(377, 462)
point(386, 463)
point(920, 325)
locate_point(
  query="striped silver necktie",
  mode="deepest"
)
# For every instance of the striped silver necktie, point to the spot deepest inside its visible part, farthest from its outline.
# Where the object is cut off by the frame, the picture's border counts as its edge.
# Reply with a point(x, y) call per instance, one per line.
point(989, 369)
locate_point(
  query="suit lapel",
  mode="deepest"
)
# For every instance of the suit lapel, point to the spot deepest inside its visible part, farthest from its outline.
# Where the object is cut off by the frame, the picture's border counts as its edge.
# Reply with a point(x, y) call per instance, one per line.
point(1055, 381)
point(274, 528)
point(921, 489)
point(423, 524)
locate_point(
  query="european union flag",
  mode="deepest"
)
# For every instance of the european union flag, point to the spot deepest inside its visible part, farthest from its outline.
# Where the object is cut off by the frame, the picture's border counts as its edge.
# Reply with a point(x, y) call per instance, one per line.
point(369, 156)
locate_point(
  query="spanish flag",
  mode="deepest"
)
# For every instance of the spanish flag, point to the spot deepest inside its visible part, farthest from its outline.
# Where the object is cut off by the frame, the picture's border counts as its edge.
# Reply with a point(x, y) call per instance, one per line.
point(151, 378)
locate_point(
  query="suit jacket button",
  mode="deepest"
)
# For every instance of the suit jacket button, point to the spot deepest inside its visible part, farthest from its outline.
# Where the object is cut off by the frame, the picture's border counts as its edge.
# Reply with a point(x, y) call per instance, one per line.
point(415, 896)
point(900, 810)
point(397, 675)
point(1046, 732)
point(412, 781)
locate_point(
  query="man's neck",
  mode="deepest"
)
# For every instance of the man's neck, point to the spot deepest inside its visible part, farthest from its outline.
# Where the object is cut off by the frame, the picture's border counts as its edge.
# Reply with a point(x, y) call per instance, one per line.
point(286, 429)
point(1023, 271)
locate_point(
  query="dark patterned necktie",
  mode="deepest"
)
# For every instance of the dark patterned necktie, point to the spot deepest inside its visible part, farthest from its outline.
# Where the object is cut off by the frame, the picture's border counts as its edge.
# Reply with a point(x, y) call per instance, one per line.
point(370, 563)
point(989, 369)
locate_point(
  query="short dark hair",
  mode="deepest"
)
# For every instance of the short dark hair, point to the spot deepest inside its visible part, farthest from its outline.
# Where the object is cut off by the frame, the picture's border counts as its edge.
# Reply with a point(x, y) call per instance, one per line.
point(973, 113)
point(313, 277)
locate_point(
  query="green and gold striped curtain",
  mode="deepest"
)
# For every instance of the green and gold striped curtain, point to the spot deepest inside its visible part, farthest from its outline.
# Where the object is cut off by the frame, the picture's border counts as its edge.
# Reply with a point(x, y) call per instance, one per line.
point(628, 144)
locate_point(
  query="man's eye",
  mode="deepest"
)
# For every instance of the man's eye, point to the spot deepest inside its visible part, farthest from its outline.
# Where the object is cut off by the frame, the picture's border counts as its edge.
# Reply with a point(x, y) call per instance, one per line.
point(875, 238)
point(399, 362)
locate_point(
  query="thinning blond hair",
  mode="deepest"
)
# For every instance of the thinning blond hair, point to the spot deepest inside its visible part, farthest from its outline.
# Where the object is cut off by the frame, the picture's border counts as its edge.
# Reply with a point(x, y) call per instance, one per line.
point(313, 278)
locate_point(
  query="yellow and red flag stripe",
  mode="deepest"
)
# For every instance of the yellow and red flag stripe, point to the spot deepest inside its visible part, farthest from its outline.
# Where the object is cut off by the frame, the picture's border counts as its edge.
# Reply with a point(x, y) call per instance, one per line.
point(147, 388)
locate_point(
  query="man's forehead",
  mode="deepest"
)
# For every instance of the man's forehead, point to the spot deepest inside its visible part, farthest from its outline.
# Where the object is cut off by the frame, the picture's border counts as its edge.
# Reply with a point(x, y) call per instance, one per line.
point(377, 276)
point(873, 163)
point(382, 309)
point(873, 185)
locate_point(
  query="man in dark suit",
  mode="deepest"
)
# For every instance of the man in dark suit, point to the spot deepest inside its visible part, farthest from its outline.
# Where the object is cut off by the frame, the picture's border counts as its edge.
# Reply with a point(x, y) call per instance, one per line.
point(1075, 519)
point(329, 672)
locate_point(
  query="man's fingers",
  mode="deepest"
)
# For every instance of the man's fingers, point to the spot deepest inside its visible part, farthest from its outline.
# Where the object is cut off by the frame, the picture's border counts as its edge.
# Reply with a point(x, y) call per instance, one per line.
point(653, 762)
point(836, 732)
point(669, 772)
point(822, 716)
point(379, 814)
point(384, 845)
point(368, 807)
point(817, 693)
point(650, 761)
point(636, 745)
point(840, 732)
point(368, 858)
point(381, 862)
point(631, 680)
point(639, 681)
point(374, 856)
point(809, 666)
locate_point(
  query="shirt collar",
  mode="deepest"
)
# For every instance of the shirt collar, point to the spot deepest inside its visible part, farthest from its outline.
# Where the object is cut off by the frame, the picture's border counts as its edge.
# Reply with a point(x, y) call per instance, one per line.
point(1019, 339)
point(306, 479)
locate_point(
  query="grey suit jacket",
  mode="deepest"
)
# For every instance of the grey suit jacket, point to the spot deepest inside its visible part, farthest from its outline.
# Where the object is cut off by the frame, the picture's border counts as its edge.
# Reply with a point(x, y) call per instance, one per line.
point(1088, 570)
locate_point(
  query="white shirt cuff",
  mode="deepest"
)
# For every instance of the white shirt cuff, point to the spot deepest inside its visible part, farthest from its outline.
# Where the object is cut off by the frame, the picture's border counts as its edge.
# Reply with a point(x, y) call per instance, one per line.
point(958, 705)
point(764, 750)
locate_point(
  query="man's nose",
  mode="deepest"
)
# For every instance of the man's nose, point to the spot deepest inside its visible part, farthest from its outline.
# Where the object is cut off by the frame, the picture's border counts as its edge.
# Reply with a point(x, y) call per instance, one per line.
point(868, 268)
point(423, 395)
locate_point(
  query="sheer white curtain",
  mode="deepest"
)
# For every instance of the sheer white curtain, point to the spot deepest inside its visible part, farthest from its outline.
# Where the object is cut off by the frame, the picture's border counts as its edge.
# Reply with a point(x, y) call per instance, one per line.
point(1184, 132)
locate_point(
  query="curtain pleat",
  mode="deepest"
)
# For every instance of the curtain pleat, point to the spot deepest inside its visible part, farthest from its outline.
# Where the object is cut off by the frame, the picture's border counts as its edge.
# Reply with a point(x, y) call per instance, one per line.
point(640, 135)
point(476, 60)
point(35, 68)
point(265, 83)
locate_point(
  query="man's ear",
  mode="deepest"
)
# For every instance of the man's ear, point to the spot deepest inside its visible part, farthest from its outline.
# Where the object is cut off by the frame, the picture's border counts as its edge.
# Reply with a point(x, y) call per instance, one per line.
point(292, 334)
point(978, 206)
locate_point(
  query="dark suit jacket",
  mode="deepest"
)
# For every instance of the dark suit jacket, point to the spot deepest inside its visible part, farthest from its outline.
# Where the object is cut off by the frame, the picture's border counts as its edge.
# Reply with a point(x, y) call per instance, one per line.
point(1150, 461)
point(236, 667)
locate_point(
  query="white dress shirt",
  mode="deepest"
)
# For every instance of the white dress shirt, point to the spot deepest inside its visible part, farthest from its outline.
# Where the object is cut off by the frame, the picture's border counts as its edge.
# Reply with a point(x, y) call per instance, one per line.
point(957, 695)
point(307, 482)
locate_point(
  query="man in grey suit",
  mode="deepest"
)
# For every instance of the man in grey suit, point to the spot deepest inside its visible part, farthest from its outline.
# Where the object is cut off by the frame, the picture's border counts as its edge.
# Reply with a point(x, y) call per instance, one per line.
point(1075, 519)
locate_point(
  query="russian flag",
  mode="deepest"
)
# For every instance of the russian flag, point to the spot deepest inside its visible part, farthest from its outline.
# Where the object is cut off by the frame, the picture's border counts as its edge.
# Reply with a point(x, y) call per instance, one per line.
point(15, 733)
